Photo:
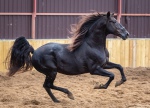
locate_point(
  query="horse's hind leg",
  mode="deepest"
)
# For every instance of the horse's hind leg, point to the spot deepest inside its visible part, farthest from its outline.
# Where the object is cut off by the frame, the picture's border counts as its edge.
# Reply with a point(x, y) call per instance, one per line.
point(70, 95)
point(48, 85)
point(50, 77)
point(111, 65)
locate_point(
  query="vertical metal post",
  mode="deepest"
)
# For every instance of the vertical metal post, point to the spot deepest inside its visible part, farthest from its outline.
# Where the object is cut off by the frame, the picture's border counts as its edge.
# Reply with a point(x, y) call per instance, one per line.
point(33, 19)
point(119, 10)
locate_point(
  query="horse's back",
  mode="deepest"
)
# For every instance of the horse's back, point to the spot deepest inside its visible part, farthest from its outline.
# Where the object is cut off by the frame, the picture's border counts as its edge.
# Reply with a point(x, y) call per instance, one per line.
point(54, 56)
point(49, 47)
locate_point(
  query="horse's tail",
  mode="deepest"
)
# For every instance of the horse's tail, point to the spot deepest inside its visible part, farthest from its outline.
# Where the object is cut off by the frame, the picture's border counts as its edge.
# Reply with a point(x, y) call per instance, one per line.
point(19, 57)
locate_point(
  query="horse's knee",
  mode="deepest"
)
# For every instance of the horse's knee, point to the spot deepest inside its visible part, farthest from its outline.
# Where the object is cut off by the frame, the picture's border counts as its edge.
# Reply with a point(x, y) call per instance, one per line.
point(118, 66)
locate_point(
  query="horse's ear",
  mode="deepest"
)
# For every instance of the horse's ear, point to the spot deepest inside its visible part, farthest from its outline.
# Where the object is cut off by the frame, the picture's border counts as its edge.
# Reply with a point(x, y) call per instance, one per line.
point(113, 14)
point(108, 14)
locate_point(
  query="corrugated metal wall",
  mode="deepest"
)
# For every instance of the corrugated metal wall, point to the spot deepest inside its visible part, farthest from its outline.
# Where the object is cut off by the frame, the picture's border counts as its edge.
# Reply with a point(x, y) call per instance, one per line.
point(76, 6)
point(139, 27)
point(13, 26)
point(57, 26)
point(136, 6)
point(48, 27)
point(16, 5)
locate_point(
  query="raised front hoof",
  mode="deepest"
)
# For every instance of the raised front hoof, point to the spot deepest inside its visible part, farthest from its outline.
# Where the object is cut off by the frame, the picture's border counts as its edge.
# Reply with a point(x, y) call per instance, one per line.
point(70, 95)
point(118, 83)
point(100, 87)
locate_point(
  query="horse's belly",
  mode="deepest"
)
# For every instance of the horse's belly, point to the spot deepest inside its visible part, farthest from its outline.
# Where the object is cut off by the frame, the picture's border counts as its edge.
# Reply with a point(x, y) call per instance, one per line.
point(70, 69)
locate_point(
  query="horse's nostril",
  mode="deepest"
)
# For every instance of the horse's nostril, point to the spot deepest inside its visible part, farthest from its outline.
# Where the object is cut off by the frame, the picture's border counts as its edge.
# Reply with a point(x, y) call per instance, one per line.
point(127, 35)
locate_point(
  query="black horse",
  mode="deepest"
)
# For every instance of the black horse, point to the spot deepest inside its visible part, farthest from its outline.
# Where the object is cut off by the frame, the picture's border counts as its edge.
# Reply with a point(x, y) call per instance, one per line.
point(86, 54)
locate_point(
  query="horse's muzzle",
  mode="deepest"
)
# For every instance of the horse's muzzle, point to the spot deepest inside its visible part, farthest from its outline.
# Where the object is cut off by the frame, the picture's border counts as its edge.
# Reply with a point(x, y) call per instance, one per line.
point(126, 36)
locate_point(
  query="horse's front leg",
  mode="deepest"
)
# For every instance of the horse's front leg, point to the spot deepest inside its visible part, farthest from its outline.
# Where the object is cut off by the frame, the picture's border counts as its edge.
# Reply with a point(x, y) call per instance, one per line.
point(100, 71)
point(111, 65)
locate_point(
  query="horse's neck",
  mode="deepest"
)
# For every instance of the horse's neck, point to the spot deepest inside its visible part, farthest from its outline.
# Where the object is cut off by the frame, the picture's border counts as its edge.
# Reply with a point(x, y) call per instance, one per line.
point(98, 40)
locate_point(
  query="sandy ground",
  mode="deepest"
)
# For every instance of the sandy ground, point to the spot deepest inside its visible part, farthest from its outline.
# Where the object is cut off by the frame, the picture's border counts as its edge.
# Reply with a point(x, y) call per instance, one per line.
point(26, 90)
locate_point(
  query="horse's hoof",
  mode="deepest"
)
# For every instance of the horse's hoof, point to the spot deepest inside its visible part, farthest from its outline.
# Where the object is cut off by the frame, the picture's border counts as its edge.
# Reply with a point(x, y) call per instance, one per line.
point(118, 83)
point(96, 87)
point(100, 87)
point(70, 95)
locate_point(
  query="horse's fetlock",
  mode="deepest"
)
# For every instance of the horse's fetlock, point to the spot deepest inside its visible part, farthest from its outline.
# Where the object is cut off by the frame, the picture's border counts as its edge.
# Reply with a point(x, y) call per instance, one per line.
point(66, 91)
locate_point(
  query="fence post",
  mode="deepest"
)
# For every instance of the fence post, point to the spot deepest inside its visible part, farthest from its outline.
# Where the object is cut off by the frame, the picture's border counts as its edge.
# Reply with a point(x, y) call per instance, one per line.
point(119, 10)
point(33, 19)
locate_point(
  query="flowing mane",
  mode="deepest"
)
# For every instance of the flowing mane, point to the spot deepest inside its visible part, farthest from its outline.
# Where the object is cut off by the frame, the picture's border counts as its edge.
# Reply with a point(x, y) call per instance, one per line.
point(79, 30)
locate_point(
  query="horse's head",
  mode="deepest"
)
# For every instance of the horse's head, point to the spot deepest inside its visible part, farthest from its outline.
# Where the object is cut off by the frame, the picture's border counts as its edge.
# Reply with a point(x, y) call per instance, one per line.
point(95, 27)
point(114, 27)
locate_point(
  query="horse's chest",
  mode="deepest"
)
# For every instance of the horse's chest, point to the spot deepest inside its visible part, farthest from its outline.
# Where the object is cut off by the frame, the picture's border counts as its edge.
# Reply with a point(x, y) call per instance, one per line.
point(99, 58)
